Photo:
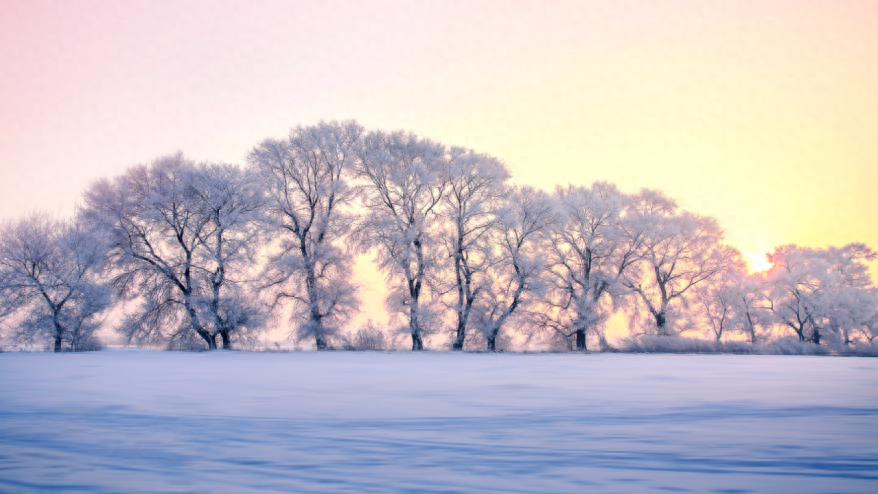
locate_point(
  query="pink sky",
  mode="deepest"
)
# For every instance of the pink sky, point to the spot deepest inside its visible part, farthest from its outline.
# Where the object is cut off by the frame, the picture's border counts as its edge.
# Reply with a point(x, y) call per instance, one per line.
point(761, 113)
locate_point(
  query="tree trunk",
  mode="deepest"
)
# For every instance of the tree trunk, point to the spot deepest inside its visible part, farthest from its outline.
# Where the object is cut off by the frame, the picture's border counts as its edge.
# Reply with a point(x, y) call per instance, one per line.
point(196, 325)
point(752, 328)
point(417, 343)
point(227, 342)
point(461, 334)
point(209, 338)
point(414, 325)
point(581, 344)
point(320, 340)
point(492, 345)
point(316, 322)
point(660, 322)
point(461, 295)
point(59, 330)
point(816, 337)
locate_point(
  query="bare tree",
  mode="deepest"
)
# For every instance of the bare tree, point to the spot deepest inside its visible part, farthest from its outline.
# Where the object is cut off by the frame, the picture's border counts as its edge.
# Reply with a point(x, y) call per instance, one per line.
point(519, 260)
point(309, 191)
point(406, 178)
point(679, 251)
point(51, 281)
point(181, 241)
point(590, 251)
point(476, 185)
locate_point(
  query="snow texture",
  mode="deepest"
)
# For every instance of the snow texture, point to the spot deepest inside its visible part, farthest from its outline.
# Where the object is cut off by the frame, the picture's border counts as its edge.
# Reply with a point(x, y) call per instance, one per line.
point(141, 421)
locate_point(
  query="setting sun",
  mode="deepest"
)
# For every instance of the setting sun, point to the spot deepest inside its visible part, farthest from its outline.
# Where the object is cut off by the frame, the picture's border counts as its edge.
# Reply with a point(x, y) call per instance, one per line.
point(756, 263)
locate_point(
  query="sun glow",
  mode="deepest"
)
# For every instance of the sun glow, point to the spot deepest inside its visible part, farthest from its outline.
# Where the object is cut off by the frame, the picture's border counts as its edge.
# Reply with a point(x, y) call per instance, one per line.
point(756, 262)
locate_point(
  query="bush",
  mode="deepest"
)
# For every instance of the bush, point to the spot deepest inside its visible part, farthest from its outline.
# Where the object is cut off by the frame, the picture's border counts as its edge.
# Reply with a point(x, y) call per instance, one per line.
point(368, 337)
point(785, 347)
point(676, 344)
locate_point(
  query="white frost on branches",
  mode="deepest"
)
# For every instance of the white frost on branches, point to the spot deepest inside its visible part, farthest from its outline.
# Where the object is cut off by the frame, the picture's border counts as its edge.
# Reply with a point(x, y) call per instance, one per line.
point(307, 181)
point(51, 281)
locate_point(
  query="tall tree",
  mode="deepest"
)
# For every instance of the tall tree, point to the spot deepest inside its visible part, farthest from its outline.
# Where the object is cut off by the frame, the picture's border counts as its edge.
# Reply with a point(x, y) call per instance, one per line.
point(589, 253)
point(181, 240)
point(470, 207)
point(51, 280)
point(822, 294)
point(229, 245)
point(307, 179)
point(519, 260)
point(406, 178)
point(679, 251)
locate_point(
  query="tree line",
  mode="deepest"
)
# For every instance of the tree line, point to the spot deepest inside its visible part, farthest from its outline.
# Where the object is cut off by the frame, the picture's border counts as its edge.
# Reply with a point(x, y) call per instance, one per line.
point(214, 253)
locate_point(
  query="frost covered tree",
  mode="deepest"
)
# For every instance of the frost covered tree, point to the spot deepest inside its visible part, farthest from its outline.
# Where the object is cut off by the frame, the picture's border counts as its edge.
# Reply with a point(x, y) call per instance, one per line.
point(733, 301)
point(589, 252)
point(751, 306)
point(518, 262)
point(848, 297)
point(822, 295)
point(233, 202)
point(679, 251)
point(182, 240)
point(405, 179)
point(469, 210)
point(794, 283)
point(51, 281)
point(868, 330)
point(307, 181)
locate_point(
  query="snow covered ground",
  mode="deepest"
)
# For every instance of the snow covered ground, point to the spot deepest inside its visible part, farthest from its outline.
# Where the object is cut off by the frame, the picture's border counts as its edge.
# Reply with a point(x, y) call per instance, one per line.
point(141, 421)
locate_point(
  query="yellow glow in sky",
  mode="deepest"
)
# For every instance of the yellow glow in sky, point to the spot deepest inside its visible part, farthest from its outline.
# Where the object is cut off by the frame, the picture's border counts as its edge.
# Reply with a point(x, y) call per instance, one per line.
point(761, 113)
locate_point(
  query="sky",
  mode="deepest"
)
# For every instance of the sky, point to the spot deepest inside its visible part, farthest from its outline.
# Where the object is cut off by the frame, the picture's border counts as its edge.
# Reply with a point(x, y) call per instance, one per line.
point(763, 114)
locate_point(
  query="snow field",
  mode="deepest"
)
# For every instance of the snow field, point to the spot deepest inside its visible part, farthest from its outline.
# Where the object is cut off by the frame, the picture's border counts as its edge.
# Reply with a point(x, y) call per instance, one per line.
point(141, 421)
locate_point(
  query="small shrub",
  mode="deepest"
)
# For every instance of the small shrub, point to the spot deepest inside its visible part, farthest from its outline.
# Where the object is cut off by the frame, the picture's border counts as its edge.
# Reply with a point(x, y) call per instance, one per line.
point(784, 347)
point(368, 337)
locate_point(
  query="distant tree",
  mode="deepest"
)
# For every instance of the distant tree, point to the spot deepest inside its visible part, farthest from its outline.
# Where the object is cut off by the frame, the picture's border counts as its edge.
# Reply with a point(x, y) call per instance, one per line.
point(732, 301)
point(590, 251)
point(751, 306)
point(518, 260)
point(469, 208)
point(679, 251)
point(849, 299)
point(868, 330)
point(405, 178)
point(307, 179)
point(51, 282)
point(182, 240)
point(822, 294)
